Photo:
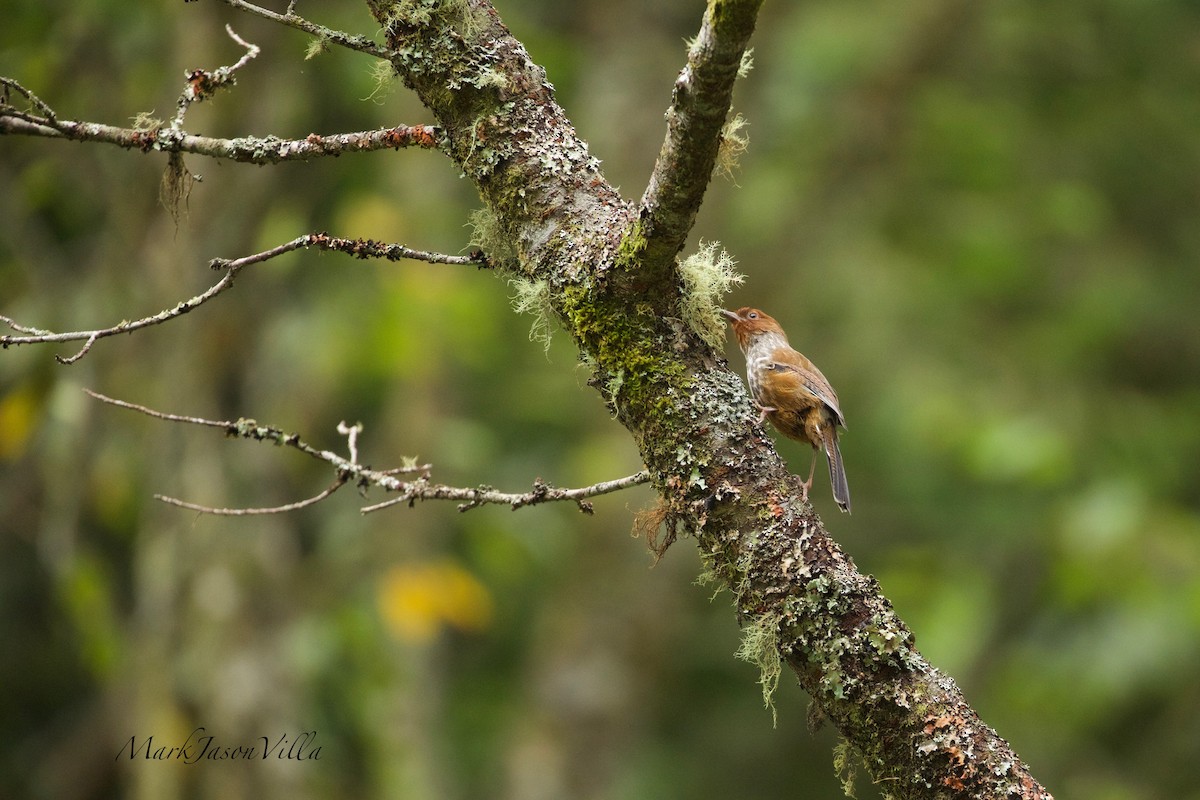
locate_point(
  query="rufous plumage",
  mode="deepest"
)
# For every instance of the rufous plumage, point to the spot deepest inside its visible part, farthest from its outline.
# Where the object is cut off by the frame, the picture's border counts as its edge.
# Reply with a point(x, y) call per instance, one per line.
point(792, 393)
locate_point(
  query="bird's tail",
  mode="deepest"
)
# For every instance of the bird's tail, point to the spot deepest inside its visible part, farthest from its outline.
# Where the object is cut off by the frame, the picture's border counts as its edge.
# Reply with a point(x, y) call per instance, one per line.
point(837, 473)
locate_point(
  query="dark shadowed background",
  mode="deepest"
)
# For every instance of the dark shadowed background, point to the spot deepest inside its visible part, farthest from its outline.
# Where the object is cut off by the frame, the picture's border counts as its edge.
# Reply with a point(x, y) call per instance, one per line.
point(979, 219)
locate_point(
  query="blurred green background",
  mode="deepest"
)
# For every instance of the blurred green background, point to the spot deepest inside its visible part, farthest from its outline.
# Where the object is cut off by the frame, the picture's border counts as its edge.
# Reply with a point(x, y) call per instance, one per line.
point(979, 219)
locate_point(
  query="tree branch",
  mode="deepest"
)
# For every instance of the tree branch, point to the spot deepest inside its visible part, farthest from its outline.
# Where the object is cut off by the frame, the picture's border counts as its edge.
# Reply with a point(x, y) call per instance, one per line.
point(541, 492)
point(245, 149)
point(250, 512)
point(359, 248)
point(690, 417)
point(360, 44)
point(201, 84)
point(348, 469)
point(700, 103)
point(38, 336)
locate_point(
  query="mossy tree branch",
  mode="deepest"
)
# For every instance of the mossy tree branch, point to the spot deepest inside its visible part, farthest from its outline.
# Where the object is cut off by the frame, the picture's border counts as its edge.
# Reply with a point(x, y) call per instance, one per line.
point(608, 267)
point(612, 280)
point(700, 103)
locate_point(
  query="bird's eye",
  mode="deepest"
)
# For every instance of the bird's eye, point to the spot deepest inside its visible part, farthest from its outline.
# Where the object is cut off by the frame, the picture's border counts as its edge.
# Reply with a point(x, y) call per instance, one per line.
point(752, 315)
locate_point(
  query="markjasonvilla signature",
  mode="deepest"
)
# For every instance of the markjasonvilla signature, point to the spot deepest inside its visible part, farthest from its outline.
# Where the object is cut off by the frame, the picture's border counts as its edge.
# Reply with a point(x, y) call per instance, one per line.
point(202, 746)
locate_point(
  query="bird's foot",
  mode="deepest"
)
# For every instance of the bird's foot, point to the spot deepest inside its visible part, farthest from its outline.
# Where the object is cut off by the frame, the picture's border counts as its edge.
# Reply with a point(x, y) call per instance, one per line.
point(765, 410)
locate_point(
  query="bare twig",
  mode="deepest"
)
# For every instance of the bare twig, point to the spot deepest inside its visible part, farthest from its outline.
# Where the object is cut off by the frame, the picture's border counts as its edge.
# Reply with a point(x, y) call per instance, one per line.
point(359, 43)
point(112, 401)
point(38, 336)
point(351, 433)
point(41, 120)
point(408, 492)
point(359, 248)
point(202, 84)
point(8, 83)
point(249, 512)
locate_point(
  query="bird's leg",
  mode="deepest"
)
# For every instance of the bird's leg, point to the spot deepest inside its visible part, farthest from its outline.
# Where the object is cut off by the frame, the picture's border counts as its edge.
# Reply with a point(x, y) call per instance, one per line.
point(806, 485)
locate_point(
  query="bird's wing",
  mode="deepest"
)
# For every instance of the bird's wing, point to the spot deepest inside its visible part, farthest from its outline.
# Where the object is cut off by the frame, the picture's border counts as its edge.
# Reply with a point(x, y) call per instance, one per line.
point(808, 377)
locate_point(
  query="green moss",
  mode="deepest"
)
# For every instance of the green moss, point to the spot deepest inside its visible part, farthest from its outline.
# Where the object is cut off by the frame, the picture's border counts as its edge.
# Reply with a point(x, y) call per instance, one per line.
point(708, 274)
point(747, 63)
point(383, 75)
point(533, 297)
point(640, 371)
point(734, 142)
point(845, 766)
point(632, 248)
point(760, 646)
point(489, 236)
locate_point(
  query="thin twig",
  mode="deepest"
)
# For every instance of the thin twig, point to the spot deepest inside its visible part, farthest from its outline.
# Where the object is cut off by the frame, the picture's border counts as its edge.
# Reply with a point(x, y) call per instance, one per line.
point(351, 433)
point(202, 84)
point(150, 412)
point(349, 469)
point(34, 100)
point(359, 43)
point(409, 469)
point(359, 248)
point(541, 492)
point(369, 248)
point(249, 512)
point(125, 326)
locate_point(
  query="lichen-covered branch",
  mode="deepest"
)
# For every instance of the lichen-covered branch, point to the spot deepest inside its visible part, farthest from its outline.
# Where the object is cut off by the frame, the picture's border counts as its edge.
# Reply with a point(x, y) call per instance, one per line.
point(700, 102)
point(39, 119)
point(289, 18)
point(359, 248)
point(609, 276)
point(246, 149)
point(542, 492)
point(202, 84)
point(350, 470)
point(502, 128)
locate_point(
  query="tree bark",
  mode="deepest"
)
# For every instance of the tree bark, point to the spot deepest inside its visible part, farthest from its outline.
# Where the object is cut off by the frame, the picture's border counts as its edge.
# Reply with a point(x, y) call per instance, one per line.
point(613, 284)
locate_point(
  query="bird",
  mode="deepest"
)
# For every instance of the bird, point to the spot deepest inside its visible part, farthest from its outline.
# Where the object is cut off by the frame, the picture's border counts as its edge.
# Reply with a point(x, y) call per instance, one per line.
point(792, 393)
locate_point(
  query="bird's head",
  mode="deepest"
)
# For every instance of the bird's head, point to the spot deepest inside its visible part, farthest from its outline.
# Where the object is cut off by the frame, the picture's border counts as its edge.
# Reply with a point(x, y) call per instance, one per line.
point(750, 323)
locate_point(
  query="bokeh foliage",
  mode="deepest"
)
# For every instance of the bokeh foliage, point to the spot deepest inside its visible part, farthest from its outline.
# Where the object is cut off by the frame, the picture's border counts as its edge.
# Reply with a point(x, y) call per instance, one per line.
point(979, 219)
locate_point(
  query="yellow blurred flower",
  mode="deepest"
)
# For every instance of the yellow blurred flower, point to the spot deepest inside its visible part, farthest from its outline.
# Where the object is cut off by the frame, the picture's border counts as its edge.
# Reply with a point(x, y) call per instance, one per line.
point(417, 600)
point(18, 415)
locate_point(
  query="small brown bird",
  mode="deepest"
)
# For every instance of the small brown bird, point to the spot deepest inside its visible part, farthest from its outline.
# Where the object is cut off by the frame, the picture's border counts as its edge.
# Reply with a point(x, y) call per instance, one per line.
point(792, 393)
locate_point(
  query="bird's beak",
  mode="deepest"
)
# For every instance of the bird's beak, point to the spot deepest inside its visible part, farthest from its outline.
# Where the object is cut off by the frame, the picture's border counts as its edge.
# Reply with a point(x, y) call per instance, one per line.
point(730, 315)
